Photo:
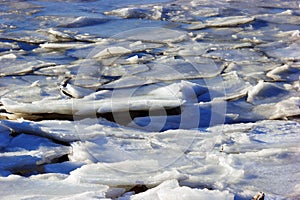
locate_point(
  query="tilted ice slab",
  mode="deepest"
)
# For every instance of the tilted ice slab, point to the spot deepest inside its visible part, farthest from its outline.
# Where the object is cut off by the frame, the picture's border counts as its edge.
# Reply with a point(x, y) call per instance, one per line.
point(83, 108)
point(170, 189)
point(223, 22)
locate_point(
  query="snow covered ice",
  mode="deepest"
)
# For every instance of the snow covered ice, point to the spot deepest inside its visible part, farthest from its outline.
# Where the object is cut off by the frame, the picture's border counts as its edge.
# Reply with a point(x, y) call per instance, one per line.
point(156, 99)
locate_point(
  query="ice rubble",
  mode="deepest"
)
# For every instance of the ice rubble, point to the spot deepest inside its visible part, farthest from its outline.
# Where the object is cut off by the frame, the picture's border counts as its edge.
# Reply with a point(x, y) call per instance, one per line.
point(192, 99)
point(235, 159)
point(190, 66)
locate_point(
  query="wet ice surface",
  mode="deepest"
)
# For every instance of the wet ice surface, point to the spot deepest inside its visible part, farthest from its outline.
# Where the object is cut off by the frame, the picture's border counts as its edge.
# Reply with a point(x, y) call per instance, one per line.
point(149, 100)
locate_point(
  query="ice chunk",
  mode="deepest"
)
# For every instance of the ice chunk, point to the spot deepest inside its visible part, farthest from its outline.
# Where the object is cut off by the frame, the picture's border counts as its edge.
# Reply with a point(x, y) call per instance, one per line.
point(8, 56)
point(265, 92)
point(60, 46)
point(234, 86)
point(75, 91)
point(171, 190)
point(57, 35)
point(285, 72)
point(153, 193)
point(133, 59)
point(83, 21)
point(142, 12)
point(287, 108)
point(112, 51)
point(223, 22)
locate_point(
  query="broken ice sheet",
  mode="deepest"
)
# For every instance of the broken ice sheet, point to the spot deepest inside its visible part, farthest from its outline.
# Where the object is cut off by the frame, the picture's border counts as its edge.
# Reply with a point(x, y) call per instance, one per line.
point(269, 151)
point(290, 52)
point(236, 144)
point(112, 174)
point(153, 34)
point(28, 36)
point(237, 55)
point(67, 131)
point(285, 17)
point(197, 153)
point(26, 154)
point(30, 88)
point(46, 189)
point(20, 65)
point(125, 70)
point(222, 33)
point(167, 69)
point(115, 27)
point(251, 70)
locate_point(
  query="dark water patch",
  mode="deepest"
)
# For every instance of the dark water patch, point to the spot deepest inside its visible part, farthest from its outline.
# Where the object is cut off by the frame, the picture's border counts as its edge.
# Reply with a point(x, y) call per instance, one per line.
point(26, 46)
point(27, 171)
point(60, 159)
point(124, 118)
point(139, 189)
point(62, 167)
point(259, 23)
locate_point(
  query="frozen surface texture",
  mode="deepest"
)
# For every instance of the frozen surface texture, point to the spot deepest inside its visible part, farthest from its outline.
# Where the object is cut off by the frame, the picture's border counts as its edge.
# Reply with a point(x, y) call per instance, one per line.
point(154, 99)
